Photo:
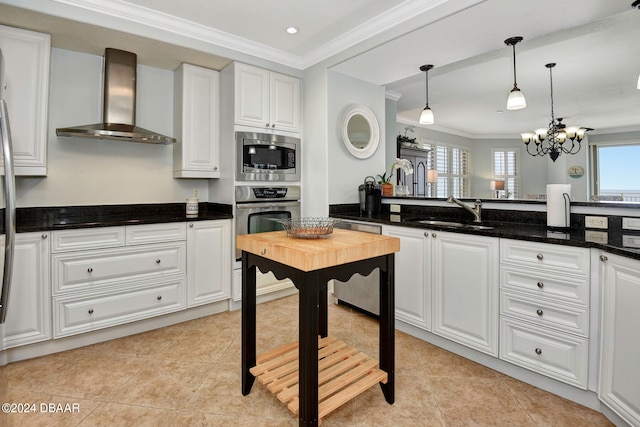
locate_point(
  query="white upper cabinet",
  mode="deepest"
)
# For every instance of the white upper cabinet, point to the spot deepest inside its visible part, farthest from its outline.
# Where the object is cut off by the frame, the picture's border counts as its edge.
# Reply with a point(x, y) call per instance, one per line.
point(27, 56)
point(266, 99)
point(196, 154)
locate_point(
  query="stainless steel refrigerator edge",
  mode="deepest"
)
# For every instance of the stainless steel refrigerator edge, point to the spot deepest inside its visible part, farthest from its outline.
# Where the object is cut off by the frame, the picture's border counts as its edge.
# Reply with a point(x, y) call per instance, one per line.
point(9, 198)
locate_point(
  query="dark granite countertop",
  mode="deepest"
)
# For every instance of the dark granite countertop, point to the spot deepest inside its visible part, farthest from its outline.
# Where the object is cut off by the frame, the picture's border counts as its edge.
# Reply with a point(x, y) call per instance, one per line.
point(70, 217)
point(523, 226)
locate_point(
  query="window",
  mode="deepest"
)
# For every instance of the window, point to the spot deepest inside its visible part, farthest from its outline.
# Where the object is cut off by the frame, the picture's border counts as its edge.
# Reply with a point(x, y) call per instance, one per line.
point(506, 167)
point(452, 164)
point(616, 176)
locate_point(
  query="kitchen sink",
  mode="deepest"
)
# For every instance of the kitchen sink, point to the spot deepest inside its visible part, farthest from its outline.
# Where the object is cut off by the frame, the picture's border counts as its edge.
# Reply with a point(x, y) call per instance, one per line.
point(455, 224)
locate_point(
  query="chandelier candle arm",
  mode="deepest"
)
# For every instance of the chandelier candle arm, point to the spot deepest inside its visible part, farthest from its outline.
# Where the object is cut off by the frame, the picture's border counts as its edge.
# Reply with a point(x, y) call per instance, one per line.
point(516, 100)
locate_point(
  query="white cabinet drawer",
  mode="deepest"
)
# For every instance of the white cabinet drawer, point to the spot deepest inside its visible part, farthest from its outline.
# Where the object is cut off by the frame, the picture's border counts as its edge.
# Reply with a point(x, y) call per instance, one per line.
point(559, 258)
point(564, 317)
point(536, 283)
point(87, 238)
point(91, 269)
point(554, 354)
point(74, 315)
point(155, 233)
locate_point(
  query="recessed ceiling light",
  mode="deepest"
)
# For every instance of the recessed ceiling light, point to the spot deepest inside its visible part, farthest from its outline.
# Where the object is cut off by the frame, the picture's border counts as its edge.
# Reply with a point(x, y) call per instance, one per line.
point(292, 30)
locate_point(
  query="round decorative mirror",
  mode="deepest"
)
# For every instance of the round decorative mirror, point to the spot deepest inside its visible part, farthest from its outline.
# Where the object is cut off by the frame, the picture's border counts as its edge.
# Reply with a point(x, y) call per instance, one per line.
point(360, 131)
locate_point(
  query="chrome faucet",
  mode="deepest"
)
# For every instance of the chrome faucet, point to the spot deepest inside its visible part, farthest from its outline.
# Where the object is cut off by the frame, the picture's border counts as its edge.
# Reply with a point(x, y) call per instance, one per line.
point(476, 210)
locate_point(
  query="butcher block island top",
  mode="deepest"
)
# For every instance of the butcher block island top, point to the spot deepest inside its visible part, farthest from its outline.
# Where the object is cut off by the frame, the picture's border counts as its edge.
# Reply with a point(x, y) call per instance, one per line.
point(340, 247)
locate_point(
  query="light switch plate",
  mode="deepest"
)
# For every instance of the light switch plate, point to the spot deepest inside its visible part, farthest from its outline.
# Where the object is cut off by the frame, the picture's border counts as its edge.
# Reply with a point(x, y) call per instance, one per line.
point(631, 223)
point(596, 222)
point(596, 236)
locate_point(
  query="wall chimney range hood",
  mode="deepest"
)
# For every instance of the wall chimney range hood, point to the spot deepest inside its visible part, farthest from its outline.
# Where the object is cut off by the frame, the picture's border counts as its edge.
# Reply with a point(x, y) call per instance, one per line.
point(119, 105)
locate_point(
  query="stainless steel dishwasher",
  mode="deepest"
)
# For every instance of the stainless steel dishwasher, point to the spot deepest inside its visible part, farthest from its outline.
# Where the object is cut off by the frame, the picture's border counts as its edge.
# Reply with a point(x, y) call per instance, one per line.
point(361, 293)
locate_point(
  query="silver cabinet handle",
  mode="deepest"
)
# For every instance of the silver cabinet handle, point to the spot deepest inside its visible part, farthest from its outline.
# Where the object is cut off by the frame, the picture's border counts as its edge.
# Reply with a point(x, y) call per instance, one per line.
point(44, 236)
point(158, 261)
point(540, 285)
point(273, 125)
point(434, 235)
point(266, 125)
point(426, 234)
point(538, 350)
point(90, 269)
point(159, 297)
point(191, 225)
point(215, 168)
point(539, 312)
point(539, 256)
point(91, 311)
point(264, 251)
point(603, 258)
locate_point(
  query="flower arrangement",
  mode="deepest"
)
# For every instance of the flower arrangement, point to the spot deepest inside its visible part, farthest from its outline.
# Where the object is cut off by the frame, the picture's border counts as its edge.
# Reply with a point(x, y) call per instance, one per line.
point(403, 164)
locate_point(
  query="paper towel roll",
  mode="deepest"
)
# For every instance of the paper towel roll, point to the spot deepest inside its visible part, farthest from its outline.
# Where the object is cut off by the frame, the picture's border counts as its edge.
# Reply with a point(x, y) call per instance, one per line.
point(559, 205)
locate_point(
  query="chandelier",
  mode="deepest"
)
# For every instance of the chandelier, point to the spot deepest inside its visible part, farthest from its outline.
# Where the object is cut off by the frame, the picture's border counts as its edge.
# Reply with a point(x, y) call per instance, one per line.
point(557, 138)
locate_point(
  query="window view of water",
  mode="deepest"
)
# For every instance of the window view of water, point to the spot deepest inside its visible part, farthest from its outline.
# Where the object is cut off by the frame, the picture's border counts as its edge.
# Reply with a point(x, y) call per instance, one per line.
point(620, 171)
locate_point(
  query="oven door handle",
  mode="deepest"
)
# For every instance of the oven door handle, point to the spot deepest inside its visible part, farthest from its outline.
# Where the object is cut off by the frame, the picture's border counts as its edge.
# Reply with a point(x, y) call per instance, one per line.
point(266, 205)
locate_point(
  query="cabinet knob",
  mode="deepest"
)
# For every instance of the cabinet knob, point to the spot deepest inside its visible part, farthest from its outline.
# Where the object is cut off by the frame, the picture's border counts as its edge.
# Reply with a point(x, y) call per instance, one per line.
point(91, 311)
point(539, 256)
point(44, 236)
point(191, 225)
point(266, 125)
point(426, 234)
point(539, 312)
point(158, 261)
point(538, 350)
point(434, 235)
point(90, 269)
point(273, 125)
point(215, 168)
point(603, 258)
point(264, 251)
point(540, 285)
point(159, 297)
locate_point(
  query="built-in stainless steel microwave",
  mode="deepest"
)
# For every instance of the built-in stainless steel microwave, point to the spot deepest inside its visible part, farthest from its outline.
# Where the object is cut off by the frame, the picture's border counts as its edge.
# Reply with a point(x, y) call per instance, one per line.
point(267, 157)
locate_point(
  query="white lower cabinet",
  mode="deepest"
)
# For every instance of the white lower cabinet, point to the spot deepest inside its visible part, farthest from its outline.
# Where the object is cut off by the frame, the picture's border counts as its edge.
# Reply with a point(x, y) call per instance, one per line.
point(412, 283)
point(619, 379)
point(544, 309)
point(103, 277)
point(465, 289)
point(447, 283)
point(29, 307)
point(208, 261)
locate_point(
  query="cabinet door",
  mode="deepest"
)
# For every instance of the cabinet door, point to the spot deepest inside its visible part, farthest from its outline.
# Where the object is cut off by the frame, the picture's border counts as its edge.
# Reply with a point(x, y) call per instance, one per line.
point(29, 306)
point(619, 384)
point(413, 289)
point(208, 262)
point(26, 60)
point(197, 152)
point(252, 96)
point(466, 289)
point(285, 102)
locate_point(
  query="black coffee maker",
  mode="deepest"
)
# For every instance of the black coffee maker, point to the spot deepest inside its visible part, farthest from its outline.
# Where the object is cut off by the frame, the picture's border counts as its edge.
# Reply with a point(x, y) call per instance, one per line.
point(370, 196)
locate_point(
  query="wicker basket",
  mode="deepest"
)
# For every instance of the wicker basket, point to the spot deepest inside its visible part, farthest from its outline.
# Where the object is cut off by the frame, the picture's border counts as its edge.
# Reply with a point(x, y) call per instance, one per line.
point(308, 228)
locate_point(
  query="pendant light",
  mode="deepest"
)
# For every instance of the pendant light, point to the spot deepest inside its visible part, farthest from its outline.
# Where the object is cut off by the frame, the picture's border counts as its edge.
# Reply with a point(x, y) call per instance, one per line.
point(426, 118)
point(516, 100)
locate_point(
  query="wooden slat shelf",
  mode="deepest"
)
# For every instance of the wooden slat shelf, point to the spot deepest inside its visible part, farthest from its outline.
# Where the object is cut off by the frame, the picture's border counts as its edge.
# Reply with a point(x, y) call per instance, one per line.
point(343, 373)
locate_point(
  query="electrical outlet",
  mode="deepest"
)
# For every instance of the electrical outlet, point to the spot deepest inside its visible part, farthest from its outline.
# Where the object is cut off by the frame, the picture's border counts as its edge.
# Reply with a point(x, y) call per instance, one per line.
point(394, 208)
point(596, 222)
point(596, 236)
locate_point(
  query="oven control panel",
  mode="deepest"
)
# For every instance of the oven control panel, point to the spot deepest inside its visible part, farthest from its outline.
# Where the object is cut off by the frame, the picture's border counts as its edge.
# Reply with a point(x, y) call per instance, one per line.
point(269, 192)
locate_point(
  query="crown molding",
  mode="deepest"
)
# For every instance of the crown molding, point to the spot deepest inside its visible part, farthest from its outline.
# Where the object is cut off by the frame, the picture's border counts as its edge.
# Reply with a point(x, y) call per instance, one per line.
point(122, 10)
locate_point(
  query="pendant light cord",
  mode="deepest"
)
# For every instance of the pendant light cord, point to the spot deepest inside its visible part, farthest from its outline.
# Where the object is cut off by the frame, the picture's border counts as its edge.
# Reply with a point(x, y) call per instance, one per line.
point(515, 84)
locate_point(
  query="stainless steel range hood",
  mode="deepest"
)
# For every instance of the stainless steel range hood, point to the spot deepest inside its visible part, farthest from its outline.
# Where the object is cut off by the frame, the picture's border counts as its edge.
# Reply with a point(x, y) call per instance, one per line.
point(119, 104)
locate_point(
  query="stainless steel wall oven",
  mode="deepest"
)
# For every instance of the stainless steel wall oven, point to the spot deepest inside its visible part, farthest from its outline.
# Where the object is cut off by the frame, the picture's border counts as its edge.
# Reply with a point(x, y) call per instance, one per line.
point(267, 157)
point(258, 205)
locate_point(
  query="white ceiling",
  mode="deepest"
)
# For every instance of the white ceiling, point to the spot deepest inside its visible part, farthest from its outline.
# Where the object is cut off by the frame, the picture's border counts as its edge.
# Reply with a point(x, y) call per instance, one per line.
point(596, 44)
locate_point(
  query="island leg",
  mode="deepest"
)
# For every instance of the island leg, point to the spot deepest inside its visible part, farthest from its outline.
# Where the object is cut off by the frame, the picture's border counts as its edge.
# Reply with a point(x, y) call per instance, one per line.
point(387, 327)
point(248, 322)
point(308, 319)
